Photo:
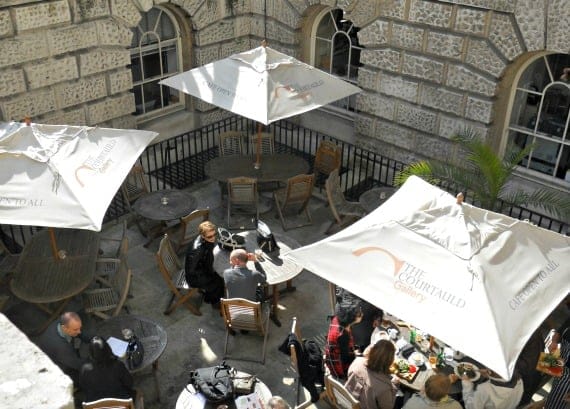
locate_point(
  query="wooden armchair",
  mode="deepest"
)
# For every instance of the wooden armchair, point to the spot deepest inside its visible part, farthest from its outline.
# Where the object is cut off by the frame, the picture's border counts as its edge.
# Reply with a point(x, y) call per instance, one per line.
point(173, 273)
point(106, 267)
point(327, 158)
point(344, 212)
point(267, 143)
point(186, 232)
point(295, 195)
point(231, 143)
point(242, 193)
point(134, 187)
point(338, 396)
point(8, 262)
point(242, 314)
point(110, 403)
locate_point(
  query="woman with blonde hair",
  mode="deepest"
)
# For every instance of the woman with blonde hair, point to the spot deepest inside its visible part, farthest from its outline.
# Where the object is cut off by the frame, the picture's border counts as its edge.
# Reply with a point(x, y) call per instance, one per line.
point(369, 379)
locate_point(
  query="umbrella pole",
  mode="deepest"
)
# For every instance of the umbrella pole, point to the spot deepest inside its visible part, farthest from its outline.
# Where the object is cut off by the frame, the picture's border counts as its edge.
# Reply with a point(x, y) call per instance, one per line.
point(53, 243)
point(257, 164)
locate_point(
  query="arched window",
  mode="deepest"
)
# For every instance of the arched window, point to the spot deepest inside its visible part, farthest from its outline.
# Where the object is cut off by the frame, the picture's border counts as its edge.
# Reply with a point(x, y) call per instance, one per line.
point(540, 115)
point(336, 50)
point(155, 55)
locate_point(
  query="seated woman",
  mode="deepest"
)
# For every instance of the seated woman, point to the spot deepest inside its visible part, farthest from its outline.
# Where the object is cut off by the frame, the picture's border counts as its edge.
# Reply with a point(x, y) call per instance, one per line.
point(339, 349)
point(369, 379)
point(434, 394)
point(104, 376)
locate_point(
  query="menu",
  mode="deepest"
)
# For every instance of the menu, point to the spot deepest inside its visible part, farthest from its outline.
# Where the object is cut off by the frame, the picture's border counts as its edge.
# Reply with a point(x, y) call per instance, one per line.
point(251, 401)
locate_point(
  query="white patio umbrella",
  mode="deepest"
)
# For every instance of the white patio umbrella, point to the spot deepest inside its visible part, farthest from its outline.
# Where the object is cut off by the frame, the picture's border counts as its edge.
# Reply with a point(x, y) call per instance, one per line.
point(63, 176)
point(262, 84)
point(480, 281)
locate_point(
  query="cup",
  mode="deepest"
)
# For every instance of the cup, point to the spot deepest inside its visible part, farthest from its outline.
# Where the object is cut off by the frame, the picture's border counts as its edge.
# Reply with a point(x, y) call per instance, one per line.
point(433, 360)
point(259, 254)
point(393, 333)
point(164, 200)
point(424, 345)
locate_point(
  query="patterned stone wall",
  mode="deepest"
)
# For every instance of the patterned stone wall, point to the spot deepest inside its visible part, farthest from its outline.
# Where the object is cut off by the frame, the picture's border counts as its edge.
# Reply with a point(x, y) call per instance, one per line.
point(66, 61)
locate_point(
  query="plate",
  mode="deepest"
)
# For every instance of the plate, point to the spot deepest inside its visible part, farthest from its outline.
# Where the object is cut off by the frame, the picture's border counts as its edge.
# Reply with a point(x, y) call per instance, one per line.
point(469, 364)
point(416, 359)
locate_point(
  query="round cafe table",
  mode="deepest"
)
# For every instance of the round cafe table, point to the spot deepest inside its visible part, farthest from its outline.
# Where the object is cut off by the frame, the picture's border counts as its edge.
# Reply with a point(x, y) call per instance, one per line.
point(374, 197)
point(164, 205)
point(187, 396)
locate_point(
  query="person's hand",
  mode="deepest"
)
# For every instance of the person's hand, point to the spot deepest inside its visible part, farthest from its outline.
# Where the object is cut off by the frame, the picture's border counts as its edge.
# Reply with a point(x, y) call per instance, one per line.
point(251, 257)
point(453, 378)
point(484, 372)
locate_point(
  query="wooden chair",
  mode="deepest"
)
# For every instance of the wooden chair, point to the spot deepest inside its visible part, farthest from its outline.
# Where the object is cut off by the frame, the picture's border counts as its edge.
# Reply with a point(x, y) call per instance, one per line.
point(242, 314)
point(106, 267)
point(134, 187)
point(110, 403)
point(231, 143)
point(8, 262)
point(294, 362)
point(186, 232)
point(295, 195)
point(108, 302)
point(173, 273)
point(267, 144)
point(242, 193)
point(111, 246)
point(338, 396)
point(327, 158)
point(344, 212)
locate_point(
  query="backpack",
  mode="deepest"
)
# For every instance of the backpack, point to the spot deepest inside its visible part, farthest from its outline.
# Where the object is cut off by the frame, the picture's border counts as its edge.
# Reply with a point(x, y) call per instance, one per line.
point(314, 357)
point(215, 383)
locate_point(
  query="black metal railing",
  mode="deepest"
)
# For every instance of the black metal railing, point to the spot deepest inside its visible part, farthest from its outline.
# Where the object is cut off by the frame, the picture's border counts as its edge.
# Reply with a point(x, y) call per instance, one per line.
point(179, 162)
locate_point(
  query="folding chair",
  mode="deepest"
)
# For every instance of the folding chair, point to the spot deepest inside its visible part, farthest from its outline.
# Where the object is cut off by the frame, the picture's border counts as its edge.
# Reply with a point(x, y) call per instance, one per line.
point(344, 212)
point(338, 396)
point(173, 273)
point(295, 195)
point(8, 262)
point(106, 267)
point(108, 302)
point(111, 246)
point(134, 187)
point(109, 403)
point(267, 143)
point(231, 143)
point(186, 232)
point(242, 193)
point(242, 314)
point(327, 158)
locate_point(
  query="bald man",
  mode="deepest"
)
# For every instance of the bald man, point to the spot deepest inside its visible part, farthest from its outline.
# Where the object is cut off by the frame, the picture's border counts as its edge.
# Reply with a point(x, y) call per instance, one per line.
point(241, 282)
point(61, 342)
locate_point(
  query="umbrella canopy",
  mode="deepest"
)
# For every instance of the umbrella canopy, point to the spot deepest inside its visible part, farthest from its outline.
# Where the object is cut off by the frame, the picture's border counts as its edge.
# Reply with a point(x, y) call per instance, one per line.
point(262, 84)
point(480, 281)
point(63, 176)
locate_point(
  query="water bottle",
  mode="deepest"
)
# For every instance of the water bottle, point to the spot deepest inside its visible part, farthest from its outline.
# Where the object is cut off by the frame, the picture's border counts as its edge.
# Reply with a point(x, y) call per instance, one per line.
point(412, 335)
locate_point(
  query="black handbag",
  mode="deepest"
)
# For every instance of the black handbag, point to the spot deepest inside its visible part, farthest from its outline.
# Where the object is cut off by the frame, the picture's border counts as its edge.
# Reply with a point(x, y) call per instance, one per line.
point(265, 239)
point(215, 383)
point(135, 353)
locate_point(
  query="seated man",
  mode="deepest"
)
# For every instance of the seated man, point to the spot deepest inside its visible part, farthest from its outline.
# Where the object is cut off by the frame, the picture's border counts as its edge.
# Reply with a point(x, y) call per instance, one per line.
point(61, 342)
point(496, 393)
point(241, 282)
point(434, 394)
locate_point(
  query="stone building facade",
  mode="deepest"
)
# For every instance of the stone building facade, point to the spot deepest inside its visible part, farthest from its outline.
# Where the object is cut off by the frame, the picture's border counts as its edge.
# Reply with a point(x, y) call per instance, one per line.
point(427, 67)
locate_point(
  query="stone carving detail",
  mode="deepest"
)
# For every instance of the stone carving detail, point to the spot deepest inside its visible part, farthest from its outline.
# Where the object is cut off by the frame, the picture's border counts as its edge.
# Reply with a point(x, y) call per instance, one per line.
point(43, 14)
point(399, 87)
point(416, 117)
point(446, 45)
point(87, 89)
point(51, 72)
point(6, 27)
point(480, 55)
point(392, 8)
point(22, 49)
point(12, 82)
point(442, 99)
point(470, 20)
point(374, 34)
point(504, 37)
point(120, 81)
point(111, 33)
point(386, 59)
point(422, 67)
point(529, 16)
point(407, 37)
point(31, 104)
point(434, 14)
point(376, 105)
point(110, 108)
point(72, 38)
point(463, 78)
point(103, 60)
point(479, 110)
point(558, 33)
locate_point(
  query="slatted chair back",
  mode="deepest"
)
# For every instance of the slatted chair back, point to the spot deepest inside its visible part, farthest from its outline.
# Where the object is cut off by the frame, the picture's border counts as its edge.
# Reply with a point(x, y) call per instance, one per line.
point(242, 193)
point(111, 246)
point(242, 314)
point(135, 185)
point(187, 231)
point(106, 267)
point(327, 158)
point(110, 403)
point(231, 143)
point(338, 395)
point(294, 362)
point(344, 211)
point(8, 262)
point(173, 274)
point(266, 141)
point(297, 195)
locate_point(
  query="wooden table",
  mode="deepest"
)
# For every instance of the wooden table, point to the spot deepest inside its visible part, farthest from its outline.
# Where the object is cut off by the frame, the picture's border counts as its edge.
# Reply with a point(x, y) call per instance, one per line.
point(278, 270)
point(274, 168)
point(51, 282)
point(164, 205)
point(151, 334)
point(185, 398)
point(374, 197)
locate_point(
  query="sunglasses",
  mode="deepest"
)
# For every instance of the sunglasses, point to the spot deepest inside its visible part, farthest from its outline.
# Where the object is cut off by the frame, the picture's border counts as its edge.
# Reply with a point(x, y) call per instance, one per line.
point(210, 236)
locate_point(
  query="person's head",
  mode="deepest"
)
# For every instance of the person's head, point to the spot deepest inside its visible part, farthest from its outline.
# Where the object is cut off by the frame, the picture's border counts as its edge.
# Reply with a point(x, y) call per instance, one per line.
point(238, 257)
point(207, 230)
point(70, 323)
point(437, 387)
point(277, 402)
point(349, 314)
point(378, 318)
point(100, 352)
point(381, 356)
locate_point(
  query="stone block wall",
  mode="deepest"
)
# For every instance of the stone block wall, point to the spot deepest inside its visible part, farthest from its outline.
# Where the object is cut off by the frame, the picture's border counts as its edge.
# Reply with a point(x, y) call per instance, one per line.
point(67, 60)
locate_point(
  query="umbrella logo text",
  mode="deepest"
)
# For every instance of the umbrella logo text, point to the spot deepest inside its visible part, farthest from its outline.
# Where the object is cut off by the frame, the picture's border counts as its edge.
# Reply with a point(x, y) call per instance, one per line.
point(98, 163)
point(413, 281)
point(533, 285)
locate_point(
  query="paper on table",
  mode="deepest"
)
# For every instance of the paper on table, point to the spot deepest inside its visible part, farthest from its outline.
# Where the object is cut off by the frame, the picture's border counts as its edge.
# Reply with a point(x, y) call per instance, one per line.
point(251, 401)
point(193, 399)
point(118, 346)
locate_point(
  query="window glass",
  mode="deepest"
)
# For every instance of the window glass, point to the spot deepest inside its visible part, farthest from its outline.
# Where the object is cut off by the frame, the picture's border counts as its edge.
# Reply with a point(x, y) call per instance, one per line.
point(540, 115)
